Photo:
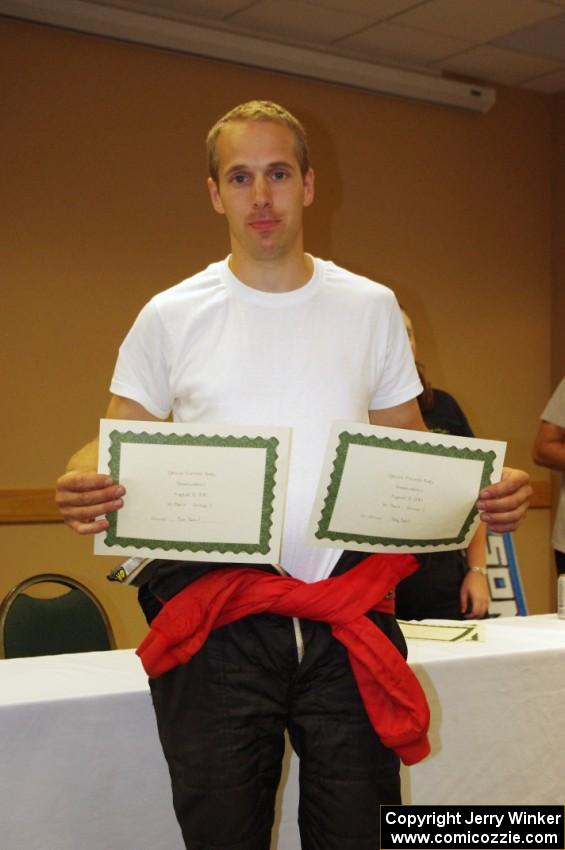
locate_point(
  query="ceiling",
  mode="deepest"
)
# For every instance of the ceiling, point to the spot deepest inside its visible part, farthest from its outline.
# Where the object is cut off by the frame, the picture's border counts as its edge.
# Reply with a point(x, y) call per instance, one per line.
point(510, 42)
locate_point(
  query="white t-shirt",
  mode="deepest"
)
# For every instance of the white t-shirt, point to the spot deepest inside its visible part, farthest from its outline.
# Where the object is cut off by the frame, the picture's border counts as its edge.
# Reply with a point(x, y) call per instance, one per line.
point(555, 413)
point(214, 350)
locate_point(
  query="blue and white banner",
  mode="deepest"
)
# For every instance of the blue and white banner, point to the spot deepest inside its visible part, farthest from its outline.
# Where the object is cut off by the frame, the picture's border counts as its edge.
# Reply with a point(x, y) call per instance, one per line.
point(505, 585)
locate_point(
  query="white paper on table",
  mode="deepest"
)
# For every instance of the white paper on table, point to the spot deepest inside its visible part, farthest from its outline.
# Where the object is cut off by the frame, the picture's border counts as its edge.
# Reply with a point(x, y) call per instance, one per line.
point(394, 490)
point(195, 492)
point(446, 631)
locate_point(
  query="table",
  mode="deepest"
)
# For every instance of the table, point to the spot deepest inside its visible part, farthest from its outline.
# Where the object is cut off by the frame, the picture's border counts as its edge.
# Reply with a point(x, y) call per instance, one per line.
point(81, 765)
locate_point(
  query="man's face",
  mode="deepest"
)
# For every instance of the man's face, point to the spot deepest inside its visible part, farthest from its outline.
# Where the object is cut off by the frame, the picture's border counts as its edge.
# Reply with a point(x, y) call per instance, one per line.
point(260, 189)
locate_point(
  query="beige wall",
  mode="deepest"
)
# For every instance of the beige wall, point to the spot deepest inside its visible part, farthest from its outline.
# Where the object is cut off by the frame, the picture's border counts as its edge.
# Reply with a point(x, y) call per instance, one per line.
point(558, 288)
point(558, 302)
point(105, 204)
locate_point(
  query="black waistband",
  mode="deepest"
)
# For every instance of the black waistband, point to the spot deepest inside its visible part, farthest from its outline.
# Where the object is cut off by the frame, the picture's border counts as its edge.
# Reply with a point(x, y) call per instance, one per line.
point(167, 578)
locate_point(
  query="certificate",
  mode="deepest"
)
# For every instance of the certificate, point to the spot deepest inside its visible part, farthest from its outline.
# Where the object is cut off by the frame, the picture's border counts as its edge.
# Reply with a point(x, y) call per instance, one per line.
point(195, 492)
point(394, 490)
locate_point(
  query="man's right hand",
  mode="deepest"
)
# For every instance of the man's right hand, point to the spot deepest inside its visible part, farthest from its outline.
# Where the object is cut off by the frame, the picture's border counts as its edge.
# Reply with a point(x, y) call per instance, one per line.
point(82, 496)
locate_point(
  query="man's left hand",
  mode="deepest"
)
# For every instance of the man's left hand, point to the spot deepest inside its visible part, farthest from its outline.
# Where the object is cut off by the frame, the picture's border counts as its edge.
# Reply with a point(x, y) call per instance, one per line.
point(502, 506)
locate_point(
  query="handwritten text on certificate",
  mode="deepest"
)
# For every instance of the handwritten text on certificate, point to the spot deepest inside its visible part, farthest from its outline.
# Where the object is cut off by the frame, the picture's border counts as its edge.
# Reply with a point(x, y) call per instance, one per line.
point(394, 490)
point(195, 492)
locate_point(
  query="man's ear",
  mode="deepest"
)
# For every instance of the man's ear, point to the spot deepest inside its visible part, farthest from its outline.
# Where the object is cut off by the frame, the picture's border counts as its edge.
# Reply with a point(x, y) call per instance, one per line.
point(308, 187)
point(215, 195)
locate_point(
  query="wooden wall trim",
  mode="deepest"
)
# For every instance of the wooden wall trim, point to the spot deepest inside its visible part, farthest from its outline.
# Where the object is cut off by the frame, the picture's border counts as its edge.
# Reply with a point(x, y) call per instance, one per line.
point(28, 505)
point(38, 505)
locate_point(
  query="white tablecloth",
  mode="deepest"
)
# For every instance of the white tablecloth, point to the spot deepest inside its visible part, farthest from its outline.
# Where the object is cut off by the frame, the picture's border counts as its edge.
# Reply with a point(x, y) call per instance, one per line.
point(81, 766)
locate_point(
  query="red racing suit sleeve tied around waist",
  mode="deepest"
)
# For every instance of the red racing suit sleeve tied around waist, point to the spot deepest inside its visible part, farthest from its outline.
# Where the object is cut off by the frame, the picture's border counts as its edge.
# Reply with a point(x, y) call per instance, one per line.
point(393, 698)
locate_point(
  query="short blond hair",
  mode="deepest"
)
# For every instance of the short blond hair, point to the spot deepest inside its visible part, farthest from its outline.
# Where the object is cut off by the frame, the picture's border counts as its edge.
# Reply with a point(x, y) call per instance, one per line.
point(258, 110)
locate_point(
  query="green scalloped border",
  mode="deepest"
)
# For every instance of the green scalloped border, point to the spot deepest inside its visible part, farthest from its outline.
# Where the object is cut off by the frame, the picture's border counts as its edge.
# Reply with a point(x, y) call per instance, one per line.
point(263, 547)
point(347, 439)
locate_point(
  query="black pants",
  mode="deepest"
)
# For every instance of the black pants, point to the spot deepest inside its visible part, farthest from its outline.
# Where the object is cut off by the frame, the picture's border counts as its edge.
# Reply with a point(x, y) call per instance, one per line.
point(221, 721)
point(559, 561)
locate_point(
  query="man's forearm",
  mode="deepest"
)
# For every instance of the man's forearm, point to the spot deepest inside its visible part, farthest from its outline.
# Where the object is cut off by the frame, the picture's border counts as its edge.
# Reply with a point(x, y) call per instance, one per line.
point(85, 459)
point(550, 454)
point(549, 446)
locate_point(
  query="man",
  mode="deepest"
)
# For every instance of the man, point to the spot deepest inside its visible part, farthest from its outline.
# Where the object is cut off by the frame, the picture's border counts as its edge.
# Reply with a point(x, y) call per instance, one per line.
point(270, 336)
point(549, 451)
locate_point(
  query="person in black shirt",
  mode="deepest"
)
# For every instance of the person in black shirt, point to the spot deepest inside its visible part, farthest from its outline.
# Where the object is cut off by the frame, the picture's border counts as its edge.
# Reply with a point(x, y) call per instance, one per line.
point(449, 585)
